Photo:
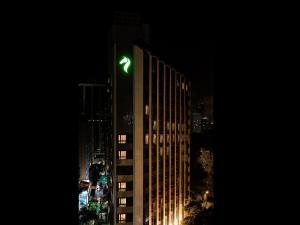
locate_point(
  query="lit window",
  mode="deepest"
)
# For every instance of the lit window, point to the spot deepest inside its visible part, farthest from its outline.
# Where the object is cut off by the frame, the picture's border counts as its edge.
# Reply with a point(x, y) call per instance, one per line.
point(182, 86)
point(122, 154)
point(122, 139)
point(154, 125)
point(122, 218)
point(122, 202)
point(154, 138)
point(161, 138)
point(173, 126)
point(147, 139)
point(146, 109)
point(186, 87)
point(168, 126)
point(122, 186)
point(173, 138)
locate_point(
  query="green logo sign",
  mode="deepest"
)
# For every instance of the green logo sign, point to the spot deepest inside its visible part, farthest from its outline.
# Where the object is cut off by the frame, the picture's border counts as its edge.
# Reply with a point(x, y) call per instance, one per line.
point(126, 63)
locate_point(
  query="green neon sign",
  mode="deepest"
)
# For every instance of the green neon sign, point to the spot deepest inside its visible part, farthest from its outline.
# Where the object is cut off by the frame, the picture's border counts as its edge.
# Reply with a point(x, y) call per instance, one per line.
point(126, 63)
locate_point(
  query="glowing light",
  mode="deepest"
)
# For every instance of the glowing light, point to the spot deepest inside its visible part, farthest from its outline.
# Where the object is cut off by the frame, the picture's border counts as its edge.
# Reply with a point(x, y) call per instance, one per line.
point(127, 62)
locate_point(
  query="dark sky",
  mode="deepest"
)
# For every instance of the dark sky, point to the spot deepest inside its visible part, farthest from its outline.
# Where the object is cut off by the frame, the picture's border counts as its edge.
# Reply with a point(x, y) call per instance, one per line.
point(180, 41)
point(177, 39)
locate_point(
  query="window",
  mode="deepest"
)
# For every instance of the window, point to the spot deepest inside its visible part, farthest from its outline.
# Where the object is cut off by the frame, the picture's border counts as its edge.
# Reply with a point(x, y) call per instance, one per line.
point(122, 139)
point(168, 126)
point(161, 138)
point(182, 86)
point(154, 138)
point(147, 139)
point(173, 126)
point(161, 151)
point(122, 186)
point(122, 154)
point(168, 138)
point(122, 202)
point(154, 125)
point(122, 218)
point(146, 110)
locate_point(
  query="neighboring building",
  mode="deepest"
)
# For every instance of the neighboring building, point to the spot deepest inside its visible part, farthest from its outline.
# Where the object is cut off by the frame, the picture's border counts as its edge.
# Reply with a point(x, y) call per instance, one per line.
point(94, 126)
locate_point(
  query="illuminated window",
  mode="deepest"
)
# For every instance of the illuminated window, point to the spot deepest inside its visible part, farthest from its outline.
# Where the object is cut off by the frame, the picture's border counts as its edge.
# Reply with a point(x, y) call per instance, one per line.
point(154, 125)
point(122, 218)
point(146, 109)
point(186, 87)
point(122, 186)
point(173, 138)
point(147, 139)
point(182, 86)
point(168, 126)
point(122, 154)
point(161, 138)
point(173, 126)
point(122, 202)
point(154, 138)
point(122, 139)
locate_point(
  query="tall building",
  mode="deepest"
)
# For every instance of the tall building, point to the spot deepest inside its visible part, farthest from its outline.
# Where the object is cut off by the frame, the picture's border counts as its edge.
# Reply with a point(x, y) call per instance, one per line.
point(151, 141)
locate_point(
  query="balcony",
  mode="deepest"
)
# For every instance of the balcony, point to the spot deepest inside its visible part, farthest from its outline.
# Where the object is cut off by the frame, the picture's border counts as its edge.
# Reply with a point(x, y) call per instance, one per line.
point(124, 210)
point(124, 194)
point(124, 162)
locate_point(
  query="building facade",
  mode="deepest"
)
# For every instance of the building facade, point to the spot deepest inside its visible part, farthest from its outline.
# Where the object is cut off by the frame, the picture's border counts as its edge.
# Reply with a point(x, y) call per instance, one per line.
point(151, 139)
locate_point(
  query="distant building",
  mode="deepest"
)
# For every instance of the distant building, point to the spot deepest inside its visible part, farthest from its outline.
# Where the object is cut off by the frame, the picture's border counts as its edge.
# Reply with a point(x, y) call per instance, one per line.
point(202, 116)
point(196, 118)
point(94, 126)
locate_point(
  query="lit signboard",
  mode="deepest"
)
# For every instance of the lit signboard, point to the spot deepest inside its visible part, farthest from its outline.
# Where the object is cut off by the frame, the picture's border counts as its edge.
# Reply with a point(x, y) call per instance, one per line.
point(125, 64)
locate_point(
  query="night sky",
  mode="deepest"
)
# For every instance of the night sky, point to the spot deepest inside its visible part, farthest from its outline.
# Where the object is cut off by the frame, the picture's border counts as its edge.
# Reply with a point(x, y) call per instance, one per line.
point(176, 40)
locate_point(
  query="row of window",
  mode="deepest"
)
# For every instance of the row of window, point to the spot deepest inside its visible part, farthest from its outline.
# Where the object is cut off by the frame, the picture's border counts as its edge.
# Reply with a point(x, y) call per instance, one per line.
point(161, 138)
point(154, 127)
